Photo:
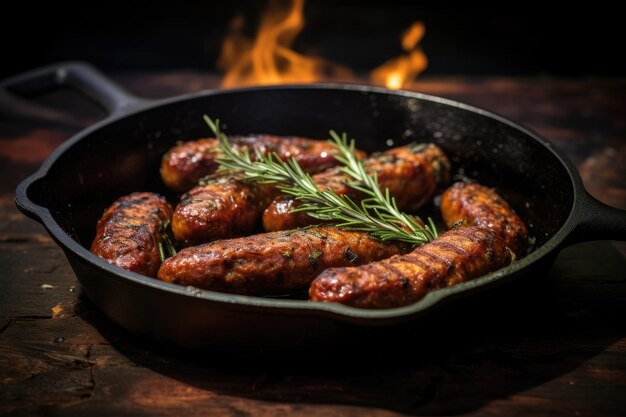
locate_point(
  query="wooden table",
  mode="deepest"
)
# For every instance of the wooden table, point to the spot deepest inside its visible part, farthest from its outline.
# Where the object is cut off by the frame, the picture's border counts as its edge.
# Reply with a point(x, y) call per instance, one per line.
point(553, 346)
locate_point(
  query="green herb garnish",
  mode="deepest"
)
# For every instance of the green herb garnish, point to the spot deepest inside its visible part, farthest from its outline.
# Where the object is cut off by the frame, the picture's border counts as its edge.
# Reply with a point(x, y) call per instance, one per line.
point(377, 214)
point(166, 247)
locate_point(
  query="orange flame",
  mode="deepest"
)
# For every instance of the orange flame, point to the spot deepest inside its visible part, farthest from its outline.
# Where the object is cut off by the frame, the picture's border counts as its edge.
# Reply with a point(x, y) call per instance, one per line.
point(403, 70)
point(268, 58)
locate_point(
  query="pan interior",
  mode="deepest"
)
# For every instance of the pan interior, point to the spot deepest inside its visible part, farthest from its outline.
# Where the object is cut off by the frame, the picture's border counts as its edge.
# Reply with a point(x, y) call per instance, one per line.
point(124, 156)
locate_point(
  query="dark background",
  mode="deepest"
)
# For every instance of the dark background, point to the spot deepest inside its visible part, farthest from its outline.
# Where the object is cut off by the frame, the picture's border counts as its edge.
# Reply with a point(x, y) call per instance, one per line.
point(515, 39)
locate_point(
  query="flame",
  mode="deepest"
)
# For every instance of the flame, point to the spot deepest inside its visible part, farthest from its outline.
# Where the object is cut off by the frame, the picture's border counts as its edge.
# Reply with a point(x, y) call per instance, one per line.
point(403, 70)
point(268, 59)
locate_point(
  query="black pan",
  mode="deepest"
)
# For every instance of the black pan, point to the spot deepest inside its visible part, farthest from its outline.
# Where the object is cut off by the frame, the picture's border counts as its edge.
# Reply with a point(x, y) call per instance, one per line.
point(121, 154)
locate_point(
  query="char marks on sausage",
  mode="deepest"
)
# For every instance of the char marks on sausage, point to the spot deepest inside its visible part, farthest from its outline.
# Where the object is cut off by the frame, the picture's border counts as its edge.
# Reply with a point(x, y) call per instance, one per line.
point(475, 204)
point(456, 256)
point(184, 165)
point(273, 263)
point(412, 173)
point(221, 207)
point(129, 232)
point(487, 236)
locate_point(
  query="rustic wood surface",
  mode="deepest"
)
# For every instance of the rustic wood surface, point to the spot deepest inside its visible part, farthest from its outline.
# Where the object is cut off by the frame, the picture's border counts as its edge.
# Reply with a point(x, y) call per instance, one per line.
point(551, 346)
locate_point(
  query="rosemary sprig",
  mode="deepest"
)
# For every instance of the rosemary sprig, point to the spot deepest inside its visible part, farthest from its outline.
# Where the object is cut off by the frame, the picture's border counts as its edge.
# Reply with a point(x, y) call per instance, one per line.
point(166, 247)
point(377, 214)
point(384, 204)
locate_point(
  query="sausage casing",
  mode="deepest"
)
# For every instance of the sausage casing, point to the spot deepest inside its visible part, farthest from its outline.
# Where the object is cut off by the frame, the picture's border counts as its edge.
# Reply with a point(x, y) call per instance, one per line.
point(456, 256)
point(129, 232)
point(412, 174)
point(272, 263)
point(475, 204)
point(222, 206)
point(184, 165)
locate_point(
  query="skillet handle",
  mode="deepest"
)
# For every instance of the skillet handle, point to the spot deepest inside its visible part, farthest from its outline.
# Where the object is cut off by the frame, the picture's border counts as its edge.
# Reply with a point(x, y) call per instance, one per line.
point(597, 221)
point(78, 76)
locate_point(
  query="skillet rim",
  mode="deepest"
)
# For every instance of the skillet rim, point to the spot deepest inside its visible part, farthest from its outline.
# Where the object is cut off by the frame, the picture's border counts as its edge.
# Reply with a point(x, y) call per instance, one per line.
point(333, 310)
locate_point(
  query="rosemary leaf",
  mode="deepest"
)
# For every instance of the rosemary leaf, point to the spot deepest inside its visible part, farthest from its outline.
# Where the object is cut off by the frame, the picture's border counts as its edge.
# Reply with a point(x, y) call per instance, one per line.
point(377, 213)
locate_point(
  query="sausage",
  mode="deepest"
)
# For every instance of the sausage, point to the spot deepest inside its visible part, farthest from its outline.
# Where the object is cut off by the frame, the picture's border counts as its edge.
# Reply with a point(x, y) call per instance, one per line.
point(488, 235)
point(277, 216)
point(184, 165)
point(222, 206)
point(273, 263)
point(475, 204)
point(412, 174)
point(458, 255)
point(129, 233)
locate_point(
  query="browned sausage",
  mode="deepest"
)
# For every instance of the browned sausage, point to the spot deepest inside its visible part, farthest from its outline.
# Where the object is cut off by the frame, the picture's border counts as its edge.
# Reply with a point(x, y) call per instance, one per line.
point(184, 165)
point(129, 232)
point(496, 236)
point(222, 206)
point(271, 263)
point(277, 216)
point(456, 256)
point(412, 174)
point(475, 204)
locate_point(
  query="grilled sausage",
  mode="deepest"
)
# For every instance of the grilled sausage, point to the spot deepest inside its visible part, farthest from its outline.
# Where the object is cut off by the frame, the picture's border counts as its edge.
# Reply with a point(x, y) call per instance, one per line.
point(475, 204)
point(412, 174)
point(272, 263)
point(184, 165)
point(277, 216)
point(458, 255)
point(488, 235)
point(222, 206)
point(129, 232)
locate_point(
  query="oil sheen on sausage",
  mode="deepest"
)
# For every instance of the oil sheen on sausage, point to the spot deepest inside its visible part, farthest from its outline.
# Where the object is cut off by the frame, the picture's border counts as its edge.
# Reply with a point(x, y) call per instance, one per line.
point(456, 256)
point(412, 173)
point(272, 263)
point(475, 204)
point(222, 206)
point(184, 165)
point(487, 236)
point(129, 232)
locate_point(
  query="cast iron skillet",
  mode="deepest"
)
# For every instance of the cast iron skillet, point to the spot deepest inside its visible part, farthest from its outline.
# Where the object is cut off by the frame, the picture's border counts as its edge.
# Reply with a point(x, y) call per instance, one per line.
point(121, 154)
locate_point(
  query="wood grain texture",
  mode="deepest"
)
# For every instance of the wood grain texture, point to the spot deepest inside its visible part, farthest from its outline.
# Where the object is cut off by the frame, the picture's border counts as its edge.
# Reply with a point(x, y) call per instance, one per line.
point(554, 345)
